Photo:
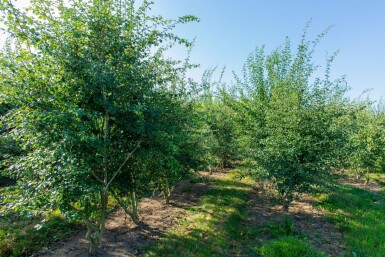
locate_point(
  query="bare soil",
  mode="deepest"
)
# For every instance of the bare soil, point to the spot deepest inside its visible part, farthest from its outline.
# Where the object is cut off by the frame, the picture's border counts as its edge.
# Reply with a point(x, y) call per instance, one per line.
point(308, 221)
point(352, 180)
point(122, 237)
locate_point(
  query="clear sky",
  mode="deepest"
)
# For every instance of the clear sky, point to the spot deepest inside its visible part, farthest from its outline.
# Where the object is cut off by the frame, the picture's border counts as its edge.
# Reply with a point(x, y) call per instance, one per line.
point(231, 29)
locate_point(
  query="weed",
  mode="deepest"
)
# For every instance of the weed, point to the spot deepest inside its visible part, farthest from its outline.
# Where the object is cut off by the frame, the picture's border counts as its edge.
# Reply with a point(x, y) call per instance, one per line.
point(288, 246)
point(288, 225)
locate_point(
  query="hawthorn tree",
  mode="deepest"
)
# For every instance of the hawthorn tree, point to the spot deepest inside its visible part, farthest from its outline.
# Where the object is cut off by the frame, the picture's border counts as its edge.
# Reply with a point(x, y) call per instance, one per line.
point(220, 121)
point(367, 138)
point(292, 127)
point(82, 76)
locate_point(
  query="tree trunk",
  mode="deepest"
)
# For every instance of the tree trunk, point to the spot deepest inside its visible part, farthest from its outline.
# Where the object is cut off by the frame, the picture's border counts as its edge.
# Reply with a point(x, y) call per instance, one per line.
point(94, 237)
point(134, 207)
point(367, 177)
point(95, 231)
point(134, 202)
point(287, 198)
point(131, 208)
point(210, 170)
point(165, 189)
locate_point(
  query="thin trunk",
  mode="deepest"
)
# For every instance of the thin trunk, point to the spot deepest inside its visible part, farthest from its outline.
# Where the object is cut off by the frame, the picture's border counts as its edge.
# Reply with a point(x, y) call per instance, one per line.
point(104, 204)
point(287, 199)
point(367, 177)
point(95, 231)
point(286, 205)
point(94, 237)
point(131, 209)
point(134, 201)
point(165, 189)
point(134, 207)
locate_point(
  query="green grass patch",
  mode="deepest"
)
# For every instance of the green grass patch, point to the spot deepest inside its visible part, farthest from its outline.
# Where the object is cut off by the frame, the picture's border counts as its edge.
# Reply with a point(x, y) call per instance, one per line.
point(288, 246)
point(215, 227)
point(378, 177)
point(218, 227)
point(278, 229)
point(360, 215)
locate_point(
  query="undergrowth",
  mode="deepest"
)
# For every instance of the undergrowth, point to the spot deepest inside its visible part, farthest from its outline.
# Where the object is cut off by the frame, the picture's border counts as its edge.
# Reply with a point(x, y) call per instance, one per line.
point(360, 215)
point(23, 232)
point(20, 236)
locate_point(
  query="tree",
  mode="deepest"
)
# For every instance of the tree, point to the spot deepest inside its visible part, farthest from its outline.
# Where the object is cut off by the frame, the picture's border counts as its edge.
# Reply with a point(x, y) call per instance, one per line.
point(218, 122)
point(366, 141)
point(291, 128)
point(81, 76)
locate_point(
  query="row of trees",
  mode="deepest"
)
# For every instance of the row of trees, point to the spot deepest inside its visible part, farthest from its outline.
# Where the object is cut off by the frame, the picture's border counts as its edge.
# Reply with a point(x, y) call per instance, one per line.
point(295, 129)
point(94, 107)
point(93, 110)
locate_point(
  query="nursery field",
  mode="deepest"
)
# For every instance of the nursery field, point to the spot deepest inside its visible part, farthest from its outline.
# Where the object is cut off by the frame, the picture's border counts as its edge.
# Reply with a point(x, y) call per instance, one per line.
point(219, 214)
point(109, 148)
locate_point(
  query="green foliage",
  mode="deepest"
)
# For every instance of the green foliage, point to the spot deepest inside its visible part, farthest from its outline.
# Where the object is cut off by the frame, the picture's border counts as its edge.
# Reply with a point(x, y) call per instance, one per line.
point(218, 123)
point(20, 235)
point(367, 139)
point(9, 149)
point(92, 109)
point(288, 247)
point(292, 129)
point(90, 85)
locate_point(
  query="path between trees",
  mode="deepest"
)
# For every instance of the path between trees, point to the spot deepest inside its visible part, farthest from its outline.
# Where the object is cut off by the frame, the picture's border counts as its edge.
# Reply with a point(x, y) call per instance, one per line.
point(261, 213)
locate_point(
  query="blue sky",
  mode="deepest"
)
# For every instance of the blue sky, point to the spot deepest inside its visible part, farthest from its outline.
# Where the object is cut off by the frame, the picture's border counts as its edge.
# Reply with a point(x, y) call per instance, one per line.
point(230, 30)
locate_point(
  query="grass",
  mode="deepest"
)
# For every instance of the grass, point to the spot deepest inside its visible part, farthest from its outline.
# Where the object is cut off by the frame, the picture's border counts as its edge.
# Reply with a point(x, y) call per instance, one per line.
point(218, 227)
point(378, 177)
point(360, 215)
point(289, 247)
point(212, 228)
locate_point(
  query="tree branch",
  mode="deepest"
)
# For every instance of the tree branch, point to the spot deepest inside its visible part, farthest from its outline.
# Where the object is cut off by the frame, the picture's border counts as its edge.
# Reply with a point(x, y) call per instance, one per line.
point(97, 178)
point(129, 155)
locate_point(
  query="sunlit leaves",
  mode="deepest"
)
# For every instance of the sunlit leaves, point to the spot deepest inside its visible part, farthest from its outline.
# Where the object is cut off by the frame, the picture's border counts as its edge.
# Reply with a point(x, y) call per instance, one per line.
point(289, 124)
point(87, 81)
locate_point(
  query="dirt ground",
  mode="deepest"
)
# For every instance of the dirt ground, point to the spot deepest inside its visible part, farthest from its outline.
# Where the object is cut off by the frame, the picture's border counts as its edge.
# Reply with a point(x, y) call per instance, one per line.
point(352, 180)
point(308, 221)
point(124, 238)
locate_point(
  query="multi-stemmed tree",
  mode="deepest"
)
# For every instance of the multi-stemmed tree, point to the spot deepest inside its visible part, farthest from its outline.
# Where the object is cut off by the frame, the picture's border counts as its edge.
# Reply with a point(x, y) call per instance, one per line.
point(83, 77)
point(291, 127)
